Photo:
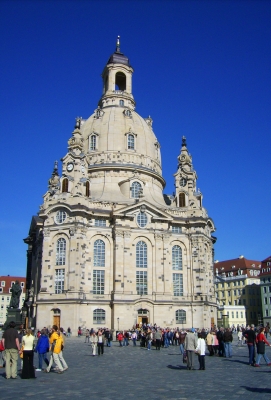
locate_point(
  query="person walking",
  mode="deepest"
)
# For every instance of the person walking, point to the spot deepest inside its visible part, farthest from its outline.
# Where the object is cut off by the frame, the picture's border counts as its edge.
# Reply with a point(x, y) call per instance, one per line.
point(158, 337)
point(260, 343)
point(57, 345)
point(250, 336)
point(11, 344)
point(42, 347)
point(190, 346)
point(93, 342)
point(28, 371)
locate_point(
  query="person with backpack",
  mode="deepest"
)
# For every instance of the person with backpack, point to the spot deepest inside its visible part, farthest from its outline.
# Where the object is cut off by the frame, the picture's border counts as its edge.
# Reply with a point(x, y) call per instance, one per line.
point(42, 347)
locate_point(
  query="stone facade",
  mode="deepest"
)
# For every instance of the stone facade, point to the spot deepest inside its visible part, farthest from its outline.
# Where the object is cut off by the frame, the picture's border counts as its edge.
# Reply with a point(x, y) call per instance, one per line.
point(108, 248)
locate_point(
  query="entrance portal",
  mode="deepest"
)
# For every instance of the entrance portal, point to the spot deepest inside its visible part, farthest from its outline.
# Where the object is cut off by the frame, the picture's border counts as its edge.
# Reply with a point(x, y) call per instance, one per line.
point(142, 317)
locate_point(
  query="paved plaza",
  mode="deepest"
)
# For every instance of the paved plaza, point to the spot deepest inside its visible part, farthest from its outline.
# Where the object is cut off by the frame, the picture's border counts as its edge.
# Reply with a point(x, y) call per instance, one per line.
point(135, 373)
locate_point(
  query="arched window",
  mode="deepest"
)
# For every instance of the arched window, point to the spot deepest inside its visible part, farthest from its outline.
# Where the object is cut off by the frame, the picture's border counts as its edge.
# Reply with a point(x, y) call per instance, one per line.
point(99, 253)
point(136, 189)
point(61, 252)
point(180, 317)
point(92, 142)
point(65, 185)
point(141, 255)
point(87, 189)
point(99, 316)
point(142, 219)
point(120, 81)
point(130, 142)
point(181, 200)
point(177, 258)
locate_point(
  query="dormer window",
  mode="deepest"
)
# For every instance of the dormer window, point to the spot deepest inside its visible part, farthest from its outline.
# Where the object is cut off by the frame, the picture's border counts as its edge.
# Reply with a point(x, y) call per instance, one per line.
point(136, 190)
point(121, 103)
point(65, 185)
point(92, 142)
point(130, 142)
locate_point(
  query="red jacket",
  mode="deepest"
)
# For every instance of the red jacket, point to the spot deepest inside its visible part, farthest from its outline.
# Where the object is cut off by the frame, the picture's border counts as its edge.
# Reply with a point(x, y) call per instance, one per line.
point(261, 338)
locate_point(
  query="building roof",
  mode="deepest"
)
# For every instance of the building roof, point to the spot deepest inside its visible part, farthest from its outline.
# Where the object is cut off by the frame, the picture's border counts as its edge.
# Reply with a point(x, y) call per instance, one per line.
point(8, 282)
point(237, 266)
point(266, 266)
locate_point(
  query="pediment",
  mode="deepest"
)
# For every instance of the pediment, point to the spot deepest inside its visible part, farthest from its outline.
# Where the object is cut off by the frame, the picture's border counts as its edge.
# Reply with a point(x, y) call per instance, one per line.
point(155, 212)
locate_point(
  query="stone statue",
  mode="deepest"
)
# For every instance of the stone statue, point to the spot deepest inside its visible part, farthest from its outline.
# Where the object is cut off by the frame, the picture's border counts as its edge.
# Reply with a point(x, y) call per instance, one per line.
point(16, 291)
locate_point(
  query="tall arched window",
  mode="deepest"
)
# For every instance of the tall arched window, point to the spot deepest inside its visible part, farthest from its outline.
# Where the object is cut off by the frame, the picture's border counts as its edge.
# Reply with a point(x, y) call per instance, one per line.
point(65, 185)
point(61, 252)
point(136, 189)
point(131, 142)
point(99, 253)
point(177, 258)
point(87, 189)
point(92, 142)
point(180, 316)
point(181, 200)
point(141, 255)
point(120, 81)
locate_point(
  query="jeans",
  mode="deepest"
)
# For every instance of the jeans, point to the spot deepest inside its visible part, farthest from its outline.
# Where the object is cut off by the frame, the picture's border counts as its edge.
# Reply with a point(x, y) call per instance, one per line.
point(125, 342)
point(251, 353)
point(108, 343)
point(181, 348)
point(149, 344)
point(134, 341)
point(228, 349)
point(166, 342)
point(259, 356)
point(11, 358)
point(43, 356)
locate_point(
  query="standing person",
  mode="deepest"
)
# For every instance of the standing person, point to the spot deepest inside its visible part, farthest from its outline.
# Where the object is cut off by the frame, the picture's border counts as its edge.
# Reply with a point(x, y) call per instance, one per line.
point(201, 351)
point(57, 345)
point(250, 336)
point(220, 338)
point(42, 347)
point(261, 342)
point(182, 337)
point(28, 371)
point(87, 336)
point(228, 338)
point(100, 343)
point(120, 338)
point(190, 346)
point(11, 344)
point(149, 339)
point(93, 342)
point(209, 341)
point(109, 338)
point(69, 332)
point(158, 337)
point(134, 337)
point(126, 338)
point(240, 336)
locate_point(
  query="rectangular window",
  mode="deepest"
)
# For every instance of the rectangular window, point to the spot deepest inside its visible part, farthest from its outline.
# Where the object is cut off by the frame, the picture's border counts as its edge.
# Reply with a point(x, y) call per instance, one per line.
point(222, 285)
point(251, 314)
point(240, 302)
point(177, 284)
point(269, 289)
point(176, 229)
point(264, 289)
point(244, 302)
point(98, 282)
point(265, 300)
point(232, 314)
point(1, 290)
point(243, 291)
point(229, 293)
point(59, 280)
point(235, 302)
point(236, 314)
point(239, 292)
point(141, 282)
point(234, 292)
point(100, 222)
point(234, 283)
point(3, 283)
point(228, 284)
point(223, 293)
point(242, 315)
point(266, 313)
point(269, 300)
point(22, 284)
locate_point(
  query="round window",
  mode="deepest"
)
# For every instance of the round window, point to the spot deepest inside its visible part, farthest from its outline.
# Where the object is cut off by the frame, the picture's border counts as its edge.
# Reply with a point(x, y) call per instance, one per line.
point(60, 217)
point(142, 219)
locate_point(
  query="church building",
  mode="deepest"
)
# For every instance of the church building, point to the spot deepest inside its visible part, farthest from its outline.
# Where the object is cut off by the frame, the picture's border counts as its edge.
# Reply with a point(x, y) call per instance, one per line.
point(107, 247)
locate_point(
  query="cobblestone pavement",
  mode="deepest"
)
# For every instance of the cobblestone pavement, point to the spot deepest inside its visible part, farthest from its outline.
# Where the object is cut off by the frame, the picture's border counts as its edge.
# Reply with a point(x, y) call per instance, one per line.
point(133, 372)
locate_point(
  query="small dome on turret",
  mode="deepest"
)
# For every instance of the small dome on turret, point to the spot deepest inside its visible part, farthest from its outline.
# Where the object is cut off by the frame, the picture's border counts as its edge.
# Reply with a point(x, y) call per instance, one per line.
point(117, 57)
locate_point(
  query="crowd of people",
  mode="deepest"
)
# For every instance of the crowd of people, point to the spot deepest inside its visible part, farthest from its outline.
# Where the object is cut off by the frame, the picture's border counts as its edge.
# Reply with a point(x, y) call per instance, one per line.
point(191, 342)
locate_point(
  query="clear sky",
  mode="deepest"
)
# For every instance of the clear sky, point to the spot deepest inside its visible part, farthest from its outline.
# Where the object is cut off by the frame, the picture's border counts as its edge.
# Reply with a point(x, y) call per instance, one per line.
point(202, 69)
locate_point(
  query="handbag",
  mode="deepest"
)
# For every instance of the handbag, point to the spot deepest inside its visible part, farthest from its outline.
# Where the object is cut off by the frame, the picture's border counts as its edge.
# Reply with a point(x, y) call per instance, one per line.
point(261, 347)
point(2, 348)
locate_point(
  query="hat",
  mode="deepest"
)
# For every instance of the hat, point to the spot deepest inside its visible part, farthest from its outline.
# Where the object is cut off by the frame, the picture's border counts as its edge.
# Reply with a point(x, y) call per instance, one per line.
point(192, 330)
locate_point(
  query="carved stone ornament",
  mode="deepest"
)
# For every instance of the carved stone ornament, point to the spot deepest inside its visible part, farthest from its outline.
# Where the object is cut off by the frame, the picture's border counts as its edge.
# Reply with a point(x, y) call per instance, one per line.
point(46, 232)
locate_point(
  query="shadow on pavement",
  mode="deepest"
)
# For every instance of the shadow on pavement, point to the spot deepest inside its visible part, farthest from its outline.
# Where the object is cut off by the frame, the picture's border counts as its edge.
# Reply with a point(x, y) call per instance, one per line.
point(256, 390)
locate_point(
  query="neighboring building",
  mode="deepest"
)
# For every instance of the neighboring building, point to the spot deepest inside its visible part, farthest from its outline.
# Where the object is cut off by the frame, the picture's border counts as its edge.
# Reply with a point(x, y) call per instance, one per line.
point(108, 247)
point(237, 290)
point(265, 278)
point(6, 283)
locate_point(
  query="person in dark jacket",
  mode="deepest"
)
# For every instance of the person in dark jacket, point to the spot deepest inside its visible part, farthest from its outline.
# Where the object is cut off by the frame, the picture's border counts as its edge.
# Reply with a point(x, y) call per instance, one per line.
point(228, 342)
point(220, 338)
point(250, 336)
point(42, 348)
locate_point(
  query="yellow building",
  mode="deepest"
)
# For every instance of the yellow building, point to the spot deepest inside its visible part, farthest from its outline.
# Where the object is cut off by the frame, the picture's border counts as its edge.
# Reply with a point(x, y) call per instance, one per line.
point(237, 291)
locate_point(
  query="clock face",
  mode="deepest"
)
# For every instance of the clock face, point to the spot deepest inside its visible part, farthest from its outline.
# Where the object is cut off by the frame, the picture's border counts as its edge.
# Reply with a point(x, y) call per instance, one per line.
point(183, 181)
point(70, 167)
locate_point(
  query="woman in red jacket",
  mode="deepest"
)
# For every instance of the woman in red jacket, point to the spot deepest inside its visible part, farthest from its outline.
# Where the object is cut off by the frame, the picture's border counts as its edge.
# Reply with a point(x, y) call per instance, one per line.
point(120, 338)
point(261, 342)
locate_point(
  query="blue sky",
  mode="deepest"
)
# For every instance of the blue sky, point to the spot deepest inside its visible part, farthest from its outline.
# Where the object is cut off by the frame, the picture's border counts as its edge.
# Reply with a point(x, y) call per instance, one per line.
point(202, 69)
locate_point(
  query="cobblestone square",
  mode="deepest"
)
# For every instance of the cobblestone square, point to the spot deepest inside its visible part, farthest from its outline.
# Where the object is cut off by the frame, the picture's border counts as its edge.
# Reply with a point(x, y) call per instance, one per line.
point(133, 372)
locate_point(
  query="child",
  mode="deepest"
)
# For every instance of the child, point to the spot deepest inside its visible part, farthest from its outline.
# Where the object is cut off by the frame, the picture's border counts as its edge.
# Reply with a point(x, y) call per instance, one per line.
point(200, 350)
